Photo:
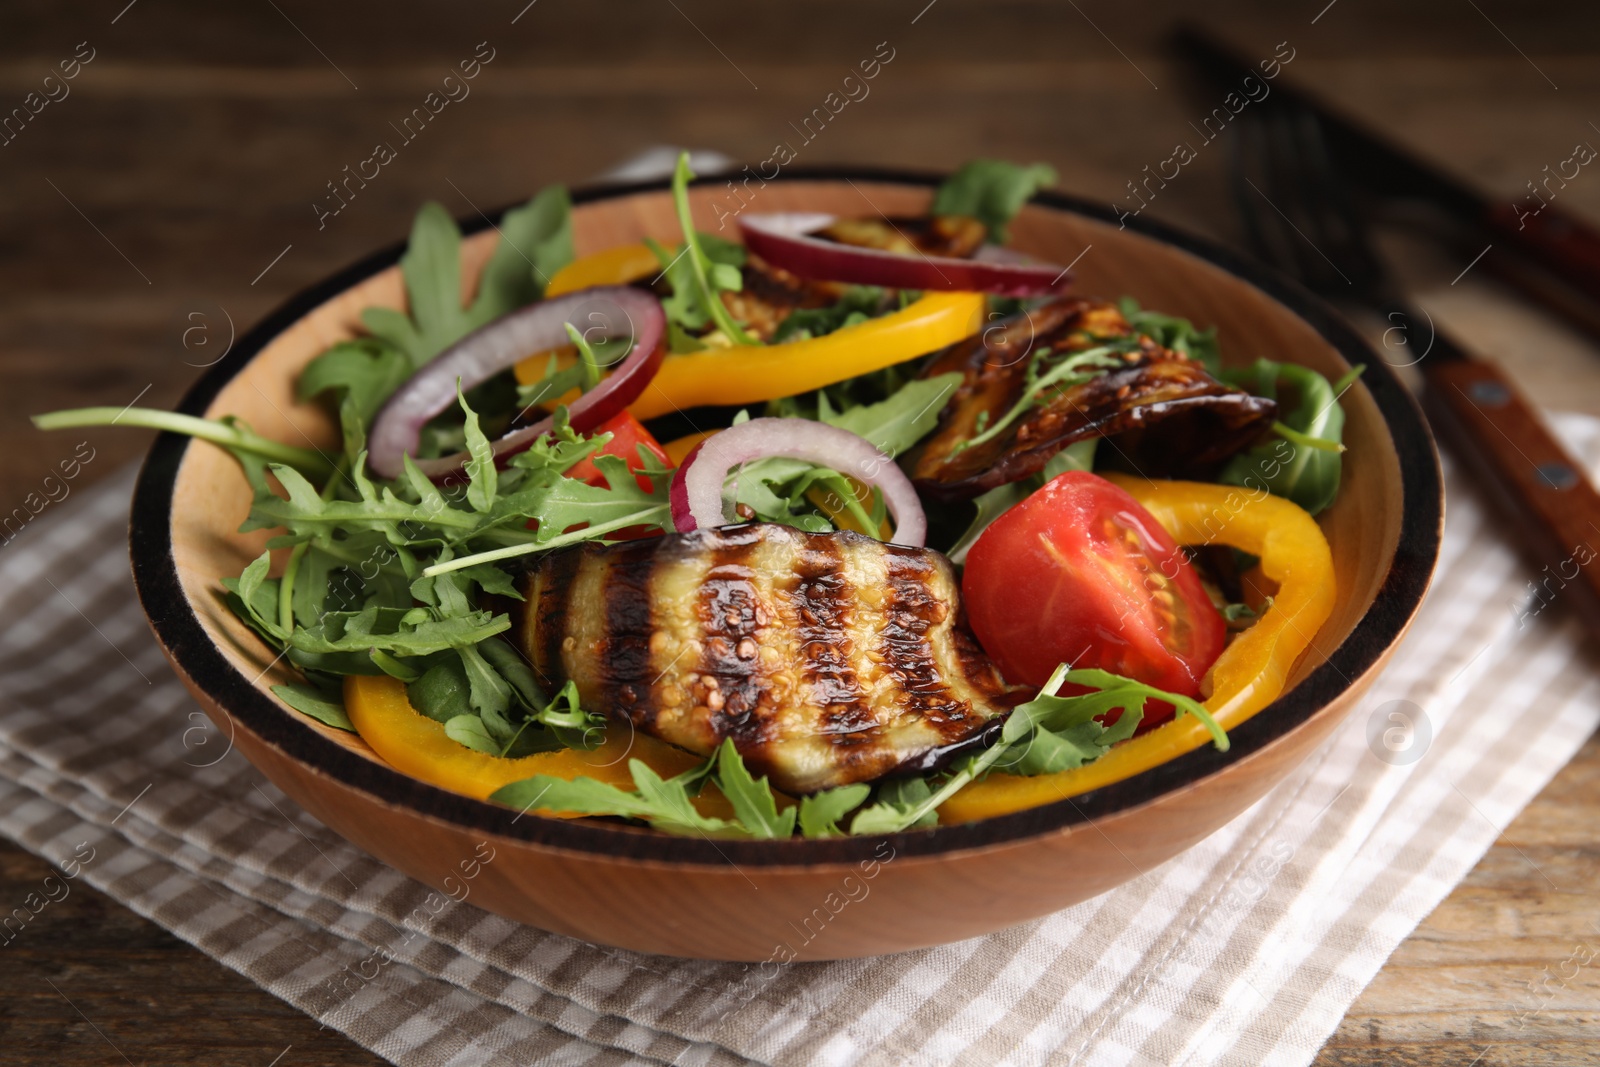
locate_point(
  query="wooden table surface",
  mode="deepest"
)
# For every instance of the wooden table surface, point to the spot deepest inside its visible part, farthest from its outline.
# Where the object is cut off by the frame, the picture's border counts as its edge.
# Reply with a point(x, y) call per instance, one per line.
point(171, 190)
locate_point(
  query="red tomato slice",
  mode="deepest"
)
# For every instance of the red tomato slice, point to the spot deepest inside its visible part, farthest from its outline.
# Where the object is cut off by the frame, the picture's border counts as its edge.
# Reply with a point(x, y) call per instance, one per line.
point(1080, 573)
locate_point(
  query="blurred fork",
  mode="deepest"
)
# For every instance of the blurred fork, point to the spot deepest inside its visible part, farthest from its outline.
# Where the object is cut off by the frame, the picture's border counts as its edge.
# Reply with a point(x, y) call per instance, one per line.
point(1299, 218)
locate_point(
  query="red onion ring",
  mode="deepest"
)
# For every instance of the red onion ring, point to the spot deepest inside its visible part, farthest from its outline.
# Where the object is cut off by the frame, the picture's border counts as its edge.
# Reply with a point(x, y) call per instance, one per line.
point(601, 313)
point(785, 240)
point(696, 491)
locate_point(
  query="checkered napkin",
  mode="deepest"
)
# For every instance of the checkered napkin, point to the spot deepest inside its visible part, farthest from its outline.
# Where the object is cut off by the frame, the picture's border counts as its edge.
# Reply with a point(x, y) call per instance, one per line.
point(1248, 948)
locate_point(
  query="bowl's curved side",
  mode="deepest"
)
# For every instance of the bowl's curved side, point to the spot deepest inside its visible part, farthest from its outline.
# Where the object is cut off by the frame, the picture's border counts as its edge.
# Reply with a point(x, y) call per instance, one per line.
point(606, 883)
point(889, 901)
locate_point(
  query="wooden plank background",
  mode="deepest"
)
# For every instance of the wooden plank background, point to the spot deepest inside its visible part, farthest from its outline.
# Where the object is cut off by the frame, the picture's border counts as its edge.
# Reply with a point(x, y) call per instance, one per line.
point(171, 191)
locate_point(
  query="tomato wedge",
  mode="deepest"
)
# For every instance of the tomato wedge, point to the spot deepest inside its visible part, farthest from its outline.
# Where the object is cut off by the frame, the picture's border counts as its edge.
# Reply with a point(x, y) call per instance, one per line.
point(1080, 573)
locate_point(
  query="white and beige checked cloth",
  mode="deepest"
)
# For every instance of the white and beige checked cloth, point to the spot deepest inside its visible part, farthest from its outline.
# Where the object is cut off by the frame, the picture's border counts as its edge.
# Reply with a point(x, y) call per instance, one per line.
point(1247, 949)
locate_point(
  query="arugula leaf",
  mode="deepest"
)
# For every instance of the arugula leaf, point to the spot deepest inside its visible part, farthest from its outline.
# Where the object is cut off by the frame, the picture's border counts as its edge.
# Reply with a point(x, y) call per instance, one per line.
point(309, 700)
point(442, 692)
point(410, 633)
point(991, 191)
point(363, 373)
point(1178, 334)
point(1045, 734)
point(258, 596)
point(470, 730)
point(696, 287)
point(535, 241)
point(1304, 463)
point(905, 418)
point(991, 505)
point(568, 723)
point(820, 813)
point(482, 477)
point(858, 304)
point(752, 800)
point(901, 804)
point(663, 803)
point(1045, 381)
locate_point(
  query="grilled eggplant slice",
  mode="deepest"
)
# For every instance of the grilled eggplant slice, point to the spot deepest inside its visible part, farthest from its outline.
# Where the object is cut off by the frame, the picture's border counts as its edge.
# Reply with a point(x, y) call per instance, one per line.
point(829, 658)
point(1170, 418)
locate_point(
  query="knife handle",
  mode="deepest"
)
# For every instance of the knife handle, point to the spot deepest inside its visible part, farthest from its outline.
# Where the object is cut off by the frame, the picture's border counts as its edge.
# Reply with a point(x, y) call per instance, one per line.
point(1562, 242)
point(1545, 492)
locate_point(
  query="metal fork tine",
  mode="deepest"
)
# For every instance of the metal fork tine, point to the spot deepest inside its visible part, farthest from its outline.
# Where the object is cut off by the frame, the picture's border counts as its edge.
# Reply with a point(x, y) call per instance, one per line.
point(1351, 242)
point(1264, 231)
point(1293, 195)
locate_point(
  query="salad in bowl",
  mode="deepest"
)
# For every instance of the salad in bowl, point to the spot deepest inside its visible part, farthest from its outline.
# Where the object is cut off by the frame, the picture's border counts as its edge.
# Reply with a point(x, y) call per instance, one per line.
point(849, 527)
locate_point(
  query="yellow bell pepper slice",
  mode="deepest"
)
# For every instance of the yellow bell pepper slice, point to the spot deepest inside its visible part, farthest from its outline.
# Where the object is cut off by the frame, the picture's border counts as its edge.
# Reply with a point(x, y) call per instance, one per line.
point(614, 266)
point(751, 374)
point(748, 374)
point(1250, 673)
point(412, 743)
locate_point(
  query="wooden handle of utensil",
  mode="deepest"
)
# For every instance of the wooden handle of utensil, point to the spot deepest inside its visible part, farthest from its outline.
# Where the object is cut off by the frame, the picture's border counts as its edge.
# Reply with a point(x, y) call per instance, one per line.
point(1545, 492)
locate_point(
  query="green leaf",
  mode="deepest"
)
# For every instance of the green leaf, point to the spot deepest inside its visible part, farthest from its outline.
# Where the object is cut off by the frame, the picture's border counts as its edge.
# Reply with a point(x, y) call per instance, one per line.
point(587, 796)
point(490, 693)
point(390, 630)
point(469, 730)
point(363, 374)
point(1293, 464)
point(1046, 380)
point(442, 693)
point(664, 803)
point(1078, 456)
point(820, 813)
point(899, 804)
point(308, 700)
point(1046, 733)
point(258, 596)
point(905, 418)
point(705, 278)
point(482, 478)
point(991, 505)
point(992, 191)
point(857, 304)
point(565, 718)
point(752, 800)
point(394, 668)
point(535, 241)
point(1178, 334)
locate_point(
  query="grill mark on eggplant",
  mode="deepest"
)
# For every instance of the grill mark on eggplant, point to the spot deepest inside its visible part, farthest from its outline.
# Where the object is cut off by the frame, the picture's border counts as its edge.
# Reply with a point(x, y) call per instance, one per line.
point(549, 588)
point(911, 611)
point(623, 661)
point(731, 616)
point(822, 601)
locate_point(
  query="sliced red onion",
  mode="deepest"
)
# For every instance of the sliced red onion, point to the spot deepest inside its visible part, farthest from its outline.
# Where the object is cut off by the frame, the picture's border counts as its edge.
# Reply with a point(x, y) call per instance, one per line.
point(696, 491)
point(600, 313)
point(785, 240)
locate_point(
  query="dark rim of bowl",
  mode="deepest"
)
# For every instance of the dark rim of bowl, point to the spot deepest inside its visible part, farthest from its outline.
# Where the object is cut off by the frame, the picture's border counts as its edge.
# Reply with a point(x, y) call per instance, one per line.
point(179, 629)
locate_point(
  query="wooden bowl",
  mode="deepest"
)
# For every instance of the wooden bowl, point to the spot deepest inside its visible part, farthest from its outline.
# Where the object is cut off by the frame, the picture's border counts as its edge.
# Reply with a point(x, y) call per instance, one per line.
point(794, 899)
